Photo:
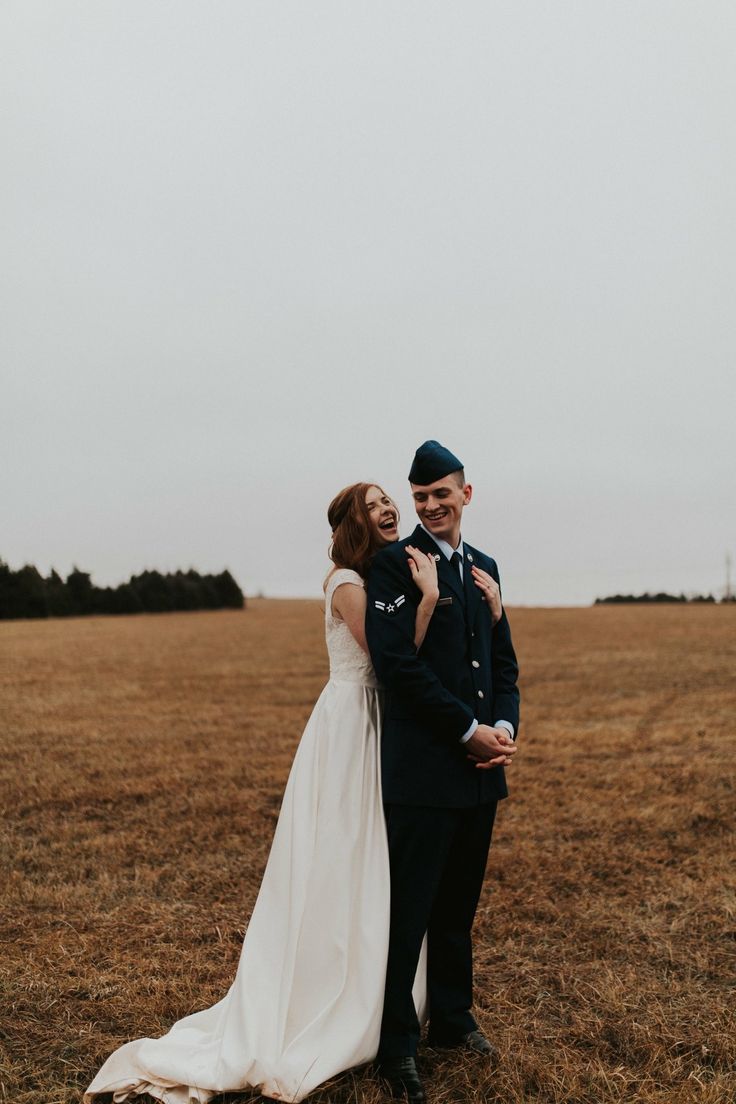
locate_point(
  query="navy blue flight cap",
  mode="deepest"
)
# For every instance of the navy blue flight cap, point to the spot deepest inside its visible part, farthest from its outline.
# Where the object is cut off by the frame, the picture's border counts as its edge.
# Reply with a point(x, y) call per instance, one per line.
point(432, 461)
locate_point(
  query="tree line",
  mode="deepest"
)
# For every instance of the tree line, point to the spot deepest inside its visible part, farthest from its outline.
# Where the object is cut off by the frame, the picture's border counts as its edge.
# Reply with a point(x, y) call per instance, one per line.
point(26, 593)
point(661, 597)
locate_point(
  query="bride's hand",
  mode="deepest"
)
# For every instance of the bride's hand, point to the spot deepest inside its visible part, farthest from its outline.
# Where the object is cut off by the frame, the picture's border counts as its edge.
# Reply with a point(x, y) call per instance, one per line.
point(424, 572)
point(491, 592)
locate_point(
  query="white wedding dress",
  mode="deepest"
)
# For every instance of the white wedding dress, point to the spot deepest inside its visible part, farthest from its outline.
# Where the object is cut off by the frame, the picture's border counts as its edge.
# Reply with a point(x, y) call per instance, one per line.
point(307, 998)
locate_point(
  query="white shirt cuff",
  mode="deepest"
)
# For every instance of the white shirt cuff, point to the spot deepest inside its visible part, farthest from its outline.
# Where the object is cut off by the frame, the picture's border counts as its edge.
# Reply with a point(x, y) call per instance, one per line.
point(507, 725)
point(464, 739)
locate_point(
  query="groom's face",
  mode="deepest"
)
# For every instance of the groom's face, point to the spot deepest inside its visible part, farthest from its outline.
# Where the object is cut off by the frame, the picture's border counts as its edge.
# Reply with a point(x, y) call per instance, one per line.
point(440, 505)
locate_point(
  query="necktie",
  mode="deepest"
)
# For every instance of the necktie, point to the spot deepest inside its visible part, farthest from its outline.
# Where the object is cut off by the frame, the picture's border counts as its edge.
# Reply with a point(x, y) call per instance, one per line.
point(456, 560)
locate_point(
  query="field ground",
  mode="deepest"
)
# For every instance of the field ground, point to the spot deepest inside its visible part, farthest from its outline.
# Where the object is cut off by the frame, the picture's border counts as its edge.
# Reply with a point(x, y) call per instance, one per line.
point(142, 765)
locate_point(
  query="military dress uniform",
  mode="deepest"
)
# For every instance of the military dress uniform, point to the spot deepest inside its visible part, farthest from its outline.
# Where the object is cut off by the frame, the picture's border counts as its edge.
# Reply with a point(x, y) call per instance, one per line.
point(439, 807)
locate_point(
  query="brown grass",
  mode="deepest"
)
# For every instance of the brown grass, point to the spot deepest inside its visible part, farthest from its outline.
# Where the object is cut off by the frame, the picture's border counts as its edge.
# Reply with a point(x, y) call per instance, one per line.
point(142, 767)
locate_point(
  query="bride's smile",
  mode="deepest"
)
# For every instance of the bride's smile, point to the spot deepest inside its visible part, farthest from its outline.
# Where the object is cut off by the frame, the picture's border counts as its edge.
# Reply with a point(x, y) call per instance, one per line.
point(383, 515)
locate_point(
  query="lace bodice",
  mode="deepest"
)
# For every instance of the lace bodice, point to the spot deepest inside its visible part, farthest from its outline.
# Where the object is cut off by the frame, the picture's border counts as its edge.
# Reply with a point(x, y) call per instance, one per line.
point(348, 661)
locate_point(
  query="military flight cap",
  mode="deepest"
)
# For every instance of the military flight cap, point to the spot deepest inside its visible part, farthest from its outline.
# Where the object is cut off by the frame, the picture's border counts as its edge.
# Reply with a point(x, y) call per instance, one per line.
point(432, 461)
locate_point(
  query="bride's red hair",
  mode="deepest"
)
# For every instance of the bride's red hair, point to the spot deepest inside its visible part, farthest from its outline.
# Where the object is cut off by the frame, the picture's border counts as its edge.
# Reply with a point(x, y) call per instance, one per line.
point(354, 541)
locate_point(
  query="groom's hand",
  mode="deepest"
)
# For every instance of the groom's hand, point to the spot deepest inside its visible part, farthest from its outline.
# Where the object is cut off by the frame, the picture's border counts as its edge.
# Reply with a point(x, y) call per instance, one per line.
point(490, 747)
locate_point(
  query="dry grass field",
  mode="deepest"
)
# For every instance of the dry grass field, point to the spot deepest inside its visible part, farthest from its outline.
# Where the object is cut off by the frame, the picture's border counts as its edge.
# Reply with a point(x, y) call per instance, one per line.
point(142, 765)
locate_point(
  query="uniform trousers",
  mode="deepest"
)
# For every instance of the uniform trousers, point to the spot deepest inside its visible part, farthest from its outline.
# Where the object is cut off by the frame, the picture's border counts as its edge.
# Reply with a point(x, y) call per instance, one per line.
point(438, 859)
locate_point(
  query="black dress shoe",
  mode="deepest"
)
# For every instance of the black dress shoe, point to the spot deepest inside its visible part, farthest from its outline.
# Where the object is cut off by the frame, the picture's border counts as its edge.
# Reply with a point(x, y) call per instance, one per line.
point(403, 1079)
point(474, 1041)
point(477, 1042)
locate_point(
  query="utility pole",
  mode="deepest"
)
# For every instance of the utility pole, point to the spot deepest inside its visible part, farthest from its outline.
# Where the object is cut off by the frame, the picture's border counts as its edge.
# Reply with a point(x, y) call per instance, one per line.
point(728, 592)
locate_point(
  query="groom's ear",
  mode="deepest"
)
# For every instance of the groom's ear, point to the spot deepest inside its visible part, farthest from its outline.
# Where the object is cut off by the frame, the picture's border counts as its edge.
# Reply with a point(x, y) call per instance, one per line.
point(467, 494)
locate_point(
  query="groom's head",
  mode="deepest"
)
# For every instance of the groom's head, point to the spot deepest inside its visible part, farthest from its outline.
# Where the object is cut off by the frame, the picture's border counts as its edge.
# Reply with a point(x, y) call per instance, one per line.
point(439, 490)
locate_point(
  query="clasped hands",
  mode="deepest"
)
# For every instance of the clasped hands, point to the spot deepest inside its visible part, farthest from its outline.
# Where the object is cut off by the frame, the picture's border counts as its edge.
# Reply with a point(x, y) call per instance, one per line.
point(490, 747)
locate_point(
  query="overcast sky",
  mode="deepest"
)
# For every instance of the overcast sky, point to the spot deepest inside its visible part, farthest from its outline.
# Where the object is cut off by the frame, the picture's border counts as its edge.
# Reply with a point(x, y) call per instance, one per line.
point(254, 251)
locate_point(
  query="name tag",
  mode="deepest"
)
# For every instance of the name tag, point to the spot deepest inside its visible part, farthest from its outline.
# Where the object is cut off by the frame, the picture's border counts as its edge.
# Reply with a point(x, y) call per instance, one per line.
point(444, 601)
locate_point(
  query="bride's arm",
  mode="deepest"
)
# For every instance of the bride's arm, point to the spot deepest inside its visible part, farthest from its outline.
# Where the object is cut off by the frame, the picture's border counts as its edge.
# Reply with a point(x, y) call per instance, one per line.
point(424, 574)
point(349, 600)
point(349, 604)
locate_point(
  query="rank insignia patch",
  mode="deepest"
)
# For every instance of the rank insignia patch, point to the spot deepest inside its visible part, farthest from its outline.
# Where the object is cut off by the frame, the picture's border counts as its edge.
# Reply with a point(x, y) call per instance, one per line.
point(391, 607)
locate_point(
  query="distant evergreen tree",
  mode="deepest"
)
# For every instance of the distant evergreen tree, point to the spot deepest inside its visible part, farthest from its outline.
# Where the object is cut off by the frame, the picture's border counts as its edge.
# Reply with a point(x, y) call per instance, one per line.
point(59, 602)
point(8, 602)
point(187, 590)
point(22, 592)
point(25, 593)
point(79, 588)
point(228, 591)
point(125, 599)
point(31, 591)
point(154, 591)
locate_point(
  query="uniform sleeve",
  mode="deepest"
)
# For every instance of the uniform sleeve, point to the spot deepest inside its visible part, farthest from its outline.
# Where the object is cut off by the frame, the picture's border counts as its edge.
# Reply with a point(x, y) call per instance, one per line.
point(505, 669)
point(390, 621)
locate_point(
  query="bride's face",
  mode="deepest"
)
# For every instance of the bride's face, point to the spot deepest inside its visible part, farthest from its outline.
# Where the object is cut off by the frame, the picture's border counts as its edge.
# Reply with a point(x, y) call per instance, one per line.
point(382, 516)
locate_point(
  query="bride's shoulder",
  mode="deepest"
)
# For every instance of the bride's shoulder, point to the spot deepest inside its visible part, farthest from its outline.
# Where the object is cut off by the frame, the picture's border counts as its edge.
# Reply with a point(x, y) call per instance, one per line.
point(340, 575)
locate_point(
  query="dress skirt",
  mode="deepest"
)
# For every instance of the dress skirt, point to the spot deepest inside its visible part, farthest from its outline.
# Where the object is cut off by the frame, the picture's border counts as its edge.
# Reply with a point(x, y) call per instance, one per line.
point(307, 998)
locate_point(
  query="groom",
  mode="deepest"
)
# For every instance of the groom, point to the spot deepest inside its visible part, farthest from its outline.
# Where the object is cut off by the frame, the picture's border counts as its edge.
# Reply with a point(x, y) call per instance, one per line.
point(451, 714)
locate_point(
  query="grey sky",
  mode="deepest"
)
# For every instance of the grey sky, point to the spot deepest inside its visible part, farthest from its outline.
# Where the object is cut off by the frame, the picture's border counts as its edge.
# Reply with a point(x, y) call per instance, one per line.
point(256, 251)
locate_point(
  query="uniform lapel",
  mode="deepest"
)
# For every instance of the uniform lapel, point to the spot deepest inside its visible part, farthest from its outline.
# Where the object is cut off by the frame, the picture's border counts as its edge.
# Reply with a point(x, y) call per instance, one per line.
point(473, 595)
point(446, 573)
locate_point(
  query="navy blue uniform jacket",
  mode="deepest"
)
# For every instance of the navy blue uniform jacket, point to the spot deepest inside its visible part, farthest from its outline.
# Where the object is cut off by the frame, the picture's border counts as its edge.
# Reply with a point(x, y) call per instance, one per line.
point(466, 668)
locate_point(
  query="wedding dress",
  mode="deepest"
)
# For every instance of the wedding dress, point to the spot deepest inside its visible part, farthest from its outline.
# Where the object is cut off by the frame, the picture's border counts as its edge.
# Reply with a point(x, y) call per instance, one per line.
point(307, 998)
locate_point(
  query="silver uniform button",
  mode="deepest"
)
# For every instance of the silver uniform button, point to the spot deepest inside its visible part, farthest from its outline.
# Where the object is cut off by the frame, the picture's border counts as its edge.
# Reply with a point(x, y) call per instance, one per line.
point(480, 694)
point(436, 555)
point(476, 663)
point(470, 557)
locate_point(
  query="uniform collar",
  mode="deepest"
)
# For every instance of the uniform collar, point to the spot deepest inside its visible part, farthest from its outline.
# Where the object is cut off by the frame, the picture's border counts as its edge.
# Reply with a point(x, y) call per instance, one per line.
point(444, 546)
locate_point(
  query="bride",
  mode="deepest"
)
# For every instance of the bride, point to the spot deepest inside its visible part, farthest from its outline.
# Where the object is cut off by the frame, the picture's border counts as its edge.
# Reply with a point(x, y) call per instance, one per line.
point(307, 997)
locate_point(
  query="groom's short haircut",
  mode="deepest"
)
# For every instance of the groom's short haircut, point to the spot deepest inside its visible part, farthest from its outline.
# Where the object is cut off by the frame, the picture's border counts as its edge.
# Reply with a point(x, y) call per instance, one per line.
point(460, 476)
